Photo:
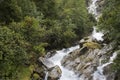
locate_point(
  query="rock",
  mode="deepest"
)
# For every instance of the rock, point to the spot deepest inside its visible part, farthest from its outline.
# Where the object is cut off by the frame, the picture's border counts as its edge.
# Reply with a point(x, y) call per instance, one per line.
point(84, 50)
point(100, 5)
point(50, 54)
point(92, 45)
point(46, 63)
point(117, 75)
point(110, 75)
point(38, 73)
point(36, 76)
point(85, 61)
point(54, 73)
point(86, 40)
point(88, 2)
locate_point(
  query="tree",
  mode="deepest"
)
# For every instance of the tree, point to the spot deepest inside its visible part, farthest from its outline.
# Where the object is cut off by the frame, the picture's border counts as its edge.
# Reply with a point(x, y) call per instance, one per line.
point(47, 7)
point(9, 11)
point(28, 8)
point(13, 53)
point(110, 19)
point(110, 23)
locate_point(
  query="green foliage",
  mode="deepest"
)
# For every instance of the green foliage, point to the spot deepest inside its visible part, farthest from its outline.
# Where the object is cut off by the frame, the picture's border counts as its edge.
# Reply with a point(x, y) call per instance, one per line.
point(13, 52)
point(40, 48)
point(28, 8)
point(47, 7)
point(29, 28)
point(75, 13)
point(9, 11)
point(110, 19)
point(117, 62)
point(110, 23)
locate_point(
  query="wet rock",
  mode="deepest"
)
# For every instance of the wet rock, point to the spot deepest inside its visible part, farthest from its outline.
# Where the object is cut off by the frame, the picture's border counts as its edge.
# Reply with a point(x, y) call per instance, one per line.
point(87, 63)
point(46, 63)
point(92, 45)
point(84, 50)
point(110, 74)
point(50, 54)
point(69, 59)
point(117, 75)
point(90, 42)
point(54, 73)
point(88, 2)
point(100, 5)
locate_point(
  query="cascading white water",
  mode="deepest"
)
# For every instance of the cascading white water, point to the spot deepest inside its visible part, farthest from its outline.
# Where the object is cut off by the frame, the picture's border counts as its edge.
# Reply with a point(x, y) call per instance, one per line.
point(56, 59)
point(92, 7)
point(98, 74)
point(46, 76)
point(70, 75)
point(92, 10)
point(97, 35)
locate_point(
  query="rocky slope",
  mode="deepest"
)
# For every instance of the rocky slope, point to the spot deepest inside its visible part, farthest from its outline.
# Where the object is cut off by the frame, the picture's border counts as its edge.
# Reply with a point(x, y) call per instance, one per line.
point(86, 60)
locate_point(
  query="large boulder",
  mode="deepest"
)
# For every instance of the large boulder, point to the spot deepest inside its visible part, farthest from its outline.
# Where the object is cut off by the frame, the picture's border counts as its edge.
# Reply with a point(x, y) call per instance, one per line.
point(85, 40)
point(54, 73)
point(46, 63)
point(50, 54)
point(108, 72)
point(92, 45)
point(100, 4)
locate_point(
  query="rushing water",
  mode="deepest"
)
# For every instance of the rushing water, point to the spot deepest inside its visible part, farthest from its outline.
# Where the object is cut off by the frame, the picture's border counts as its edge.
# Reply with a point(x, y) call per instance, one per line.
point(46, 76)
point(92, 7)
point(56, 59)
point(97, 35)
point(70, 75)
point(98, 74)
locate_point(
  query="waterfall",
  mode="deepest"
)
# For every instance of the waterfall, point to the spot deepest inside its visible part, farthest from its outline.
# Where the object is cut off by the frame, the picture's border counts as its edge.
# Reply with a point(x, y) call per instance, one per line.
point(98, 74)
point(46, 76)
point(69, 74)
point(97, 35)
point(93, 10)
point(56, 59)
point(92, 7)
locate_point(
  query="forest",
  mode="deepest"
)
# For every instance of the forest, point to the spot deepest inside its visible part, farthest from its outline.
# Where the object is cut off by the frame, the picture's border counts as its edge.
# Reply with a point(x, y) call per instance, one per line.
point(31, 28)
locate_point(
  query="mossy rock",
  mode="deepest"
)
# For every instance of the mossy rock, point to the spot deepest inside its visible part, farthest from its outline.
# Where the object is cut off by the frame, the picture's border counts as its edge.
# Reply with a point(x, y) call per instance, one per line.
point(86, 38)
point(36, 76)
point(92, 45)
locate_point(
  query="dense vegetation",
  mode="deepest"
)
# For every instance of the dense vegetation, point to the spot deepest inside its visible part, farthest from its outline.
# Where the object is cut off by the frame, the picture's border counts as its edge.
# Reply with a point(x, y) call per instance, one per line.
point(110, 23)
point(29, 28)
point(110, 20)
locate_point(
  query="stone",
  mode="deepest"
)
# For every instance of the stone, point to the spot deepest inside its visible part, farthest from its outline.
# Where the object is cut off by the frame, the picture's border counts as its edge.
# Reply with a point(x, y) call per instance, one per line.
point(46, 63)
point(110, 75)
point(50, 54)
point(92, 45)
point(54, 73)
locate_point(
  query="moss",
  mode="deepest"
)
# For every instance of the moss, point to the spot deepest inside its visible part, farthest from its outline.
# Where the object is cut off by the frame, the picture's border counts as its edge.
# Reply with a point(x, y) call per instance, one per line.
point(92, 45)
point(36, 76)
point(25, 74)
